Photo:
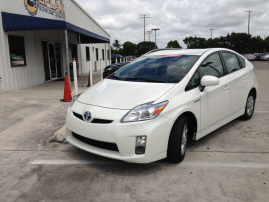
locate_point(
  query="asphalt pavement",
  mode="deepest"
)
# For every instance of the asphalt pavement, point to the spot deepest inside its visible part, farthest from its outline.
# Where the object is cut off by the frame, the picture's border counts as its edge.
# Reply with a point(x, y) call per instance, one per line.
point(230, 164)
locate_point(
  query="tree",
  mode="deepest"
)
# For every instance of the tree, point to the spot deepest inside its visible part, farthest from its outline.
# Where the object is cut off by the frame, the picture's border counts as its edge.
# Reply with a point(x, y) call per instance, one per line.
point(173, 44)
point(144, 47)
point(129, 48)
point(113, 51)
point(116, 44)
point(239, 42)
point(195, 42)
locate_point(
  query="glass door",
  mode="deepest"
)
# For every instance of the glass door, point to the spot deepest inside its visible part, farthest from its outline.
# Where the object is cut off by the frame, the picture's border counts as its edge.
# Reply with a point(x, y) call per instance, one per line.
point(52, 61)
point(58, 59)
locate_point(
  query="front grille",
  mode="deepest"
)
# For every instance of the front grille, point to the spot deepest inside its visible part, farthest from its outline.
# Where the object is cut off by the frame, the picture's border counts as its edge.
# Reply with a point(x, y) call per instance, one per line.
point(95, 143)
point(101, 121)
point(78, 116)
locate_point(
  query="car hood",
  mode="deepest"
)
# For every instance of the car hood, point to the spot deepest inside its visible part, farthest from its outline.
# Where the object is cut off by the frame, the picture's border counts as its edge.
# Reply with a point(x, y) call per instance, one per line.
point(123, 94)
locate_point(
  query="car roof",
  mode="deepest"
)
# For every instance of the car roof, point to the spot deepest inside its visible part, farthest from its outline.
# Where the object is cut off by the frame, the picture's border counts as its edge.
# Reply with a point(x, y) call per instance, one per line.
point(179, 51)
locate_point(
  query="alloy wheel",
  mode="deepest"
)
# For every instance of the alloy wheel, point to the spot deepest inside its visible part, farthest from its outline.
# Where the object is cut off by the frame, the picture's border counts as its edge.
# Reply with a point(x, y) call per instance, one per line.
point(250, 105)
point(184, 139)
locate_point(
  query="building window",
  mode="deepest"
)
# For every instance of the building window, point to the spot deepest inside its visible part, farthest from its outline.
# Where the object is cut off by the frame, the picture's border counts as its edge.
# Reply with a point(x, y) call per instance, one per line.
point(108, 56)
point(96, 50)
point(103, 54)
point(16, 51)
point(87, 53)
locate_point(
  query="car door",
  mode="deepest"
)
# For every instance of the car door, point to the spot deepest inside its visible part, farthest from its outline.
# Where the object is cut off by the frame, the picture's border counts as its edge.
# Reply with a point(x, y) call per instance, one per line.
point(215, 100)
point(238, 79)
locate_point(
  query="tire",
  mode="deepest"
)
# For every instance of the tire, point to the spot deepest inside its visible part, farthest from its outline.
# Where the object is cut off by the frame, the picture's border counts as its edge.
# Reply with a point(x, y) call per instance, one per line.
point(250, 106)
point(178, 140)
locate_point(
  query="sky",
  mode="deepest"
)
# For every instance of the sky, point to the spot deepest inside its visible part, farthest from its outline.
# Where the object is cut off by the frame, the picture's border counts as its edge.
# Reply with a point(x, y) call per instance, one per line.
point(178, 19)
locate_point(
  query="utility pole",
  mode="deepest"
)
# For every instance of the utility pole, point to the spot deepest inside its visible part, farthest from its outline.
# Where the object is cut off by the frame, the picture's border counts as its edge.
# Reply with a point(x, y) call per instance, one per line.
point(149, 33)
point(144, 16)
point(248, 19)
point(211, 32)
point(155, 37)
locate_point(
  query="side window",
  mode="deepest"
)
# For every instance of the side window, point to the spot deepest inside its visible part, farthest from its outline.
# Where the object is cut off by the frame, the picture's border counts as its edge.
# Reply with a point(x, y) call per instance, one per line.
point(211, 66)
point(242, 60)
point(231, 62)
point(194, 82)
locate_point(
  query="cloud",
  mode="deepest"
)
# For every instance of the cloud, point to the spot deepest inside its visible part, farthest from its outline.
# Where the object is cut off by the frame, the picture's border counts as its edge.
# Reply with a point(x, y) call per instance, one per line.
point(178, 19)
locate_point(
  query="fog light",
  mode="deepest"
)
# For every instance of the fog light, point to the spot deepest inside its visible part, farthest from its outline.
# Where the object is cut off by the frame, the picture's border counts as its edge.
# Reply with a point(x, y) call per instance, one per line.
point(140, 146)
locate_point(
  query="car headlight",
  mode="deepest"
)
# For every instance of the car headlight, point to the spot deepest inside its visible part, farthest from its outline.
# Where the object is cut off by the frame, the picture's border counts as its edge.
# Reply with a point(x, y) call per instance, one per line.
point(74, 99)
point(144, 112)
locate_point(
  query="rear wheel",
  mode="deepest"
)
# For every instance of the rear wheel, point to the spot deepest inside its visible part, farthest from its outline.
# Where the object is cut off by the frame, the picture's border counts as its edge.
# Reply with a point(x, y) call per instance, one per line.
point(178, 140)
point(250, 105)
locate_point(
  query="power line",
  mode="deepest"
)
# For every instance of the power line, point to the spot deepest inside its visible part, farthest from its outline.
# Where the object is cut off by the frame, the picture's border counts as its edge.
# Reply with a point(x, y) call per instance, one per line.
point(248, 19)
point(144, 16)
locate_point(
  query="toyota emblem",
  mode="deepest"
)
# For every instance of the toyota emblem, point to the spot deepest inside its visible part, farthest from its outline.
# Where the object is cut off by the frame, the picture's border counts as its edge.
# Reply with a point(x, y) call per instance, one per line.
point(87, 116)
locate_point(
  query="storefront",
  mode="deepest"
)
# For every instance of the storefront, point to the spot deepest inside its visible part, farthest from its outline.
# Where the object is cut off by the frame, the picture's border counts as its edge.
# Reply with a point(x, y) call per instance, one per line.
point(39, 39)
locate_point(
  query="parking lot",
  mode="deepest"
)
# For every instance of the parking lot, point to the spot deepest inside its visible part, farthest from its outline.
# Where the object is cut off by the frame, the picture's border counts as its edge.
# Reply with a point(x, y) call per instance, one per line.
point(230, 164)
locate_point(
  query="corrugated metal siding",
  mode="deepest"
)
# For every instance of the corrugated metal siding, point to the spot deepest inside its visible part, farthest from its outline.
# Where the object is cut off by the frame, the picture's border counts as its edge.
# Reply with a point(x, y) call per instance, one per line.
point(33, 73)
point(86, 64)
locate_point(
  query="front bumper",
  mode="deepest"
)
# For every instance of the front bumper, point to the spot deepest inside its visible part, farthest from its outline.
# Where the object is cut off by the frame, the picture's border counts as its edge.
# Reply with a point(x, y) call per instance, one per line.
point(122, 134)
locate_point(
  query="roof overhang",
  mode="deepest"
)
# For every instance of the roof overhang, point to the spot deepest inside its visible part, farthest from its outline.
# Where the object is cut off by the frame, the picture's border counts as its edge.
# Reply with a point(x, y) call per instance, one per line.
point(16, 22)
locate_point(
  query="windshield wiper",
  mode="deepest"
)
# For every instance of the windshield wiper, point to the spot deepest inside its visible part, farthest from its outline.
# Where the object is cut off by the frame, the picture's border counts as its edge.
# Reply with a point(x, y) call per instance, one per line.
point(115, 77)
point(149, 80)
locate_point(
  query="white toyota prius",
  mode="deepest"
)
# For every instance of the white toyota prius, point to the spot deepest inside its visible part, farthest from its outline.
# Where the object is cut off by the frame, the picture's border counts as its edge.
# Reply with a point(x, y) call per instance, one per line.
point(150, 108)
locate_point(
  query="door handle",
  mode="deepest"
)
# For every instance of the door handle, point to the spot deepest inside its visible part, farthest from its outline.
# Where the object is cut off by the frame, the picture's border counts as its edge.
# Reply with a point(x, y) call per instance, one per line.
point(245, 78)
point(226, 88)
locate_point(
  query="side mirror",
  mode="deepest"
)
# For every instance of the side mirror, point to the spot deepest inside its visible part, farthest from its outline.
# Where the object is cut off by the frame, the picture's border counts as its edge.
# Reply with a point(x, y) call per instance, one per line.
point(208, 81)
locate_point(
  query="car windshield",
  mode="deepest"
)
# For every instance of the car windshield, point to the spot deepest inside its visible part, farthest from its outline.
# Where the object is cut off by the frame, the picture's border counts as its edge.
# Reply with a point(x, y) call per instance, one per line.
point(164, 69)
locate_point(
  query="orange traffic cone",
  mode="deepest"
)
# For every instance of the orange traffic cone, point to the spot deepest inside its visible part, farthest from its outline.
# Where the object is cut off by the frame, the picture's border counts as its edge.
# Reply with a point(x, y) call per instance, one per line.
point(67, 91)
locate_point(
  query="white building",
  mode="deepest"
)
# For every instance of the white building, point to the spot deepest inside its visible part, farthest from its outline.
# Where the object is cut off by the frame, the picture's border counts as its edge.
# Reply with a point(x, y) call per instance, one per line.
point(39, 38)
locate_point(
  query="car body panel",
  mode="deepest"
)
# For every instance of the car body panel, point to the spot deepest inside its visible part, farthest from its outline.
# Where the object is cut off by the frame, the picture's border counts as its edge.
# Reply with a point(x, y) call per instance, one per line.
point(103, 94)
point(249, 57)
point(123, 134)
point(265, 57)
point(239, 88)
point(213, 100)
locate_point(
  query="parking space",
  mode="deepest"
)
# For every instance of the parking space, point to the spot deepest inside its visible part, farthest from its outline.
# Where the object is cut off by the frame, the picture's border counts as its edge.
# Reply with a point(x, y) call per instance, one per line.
point(230, 164)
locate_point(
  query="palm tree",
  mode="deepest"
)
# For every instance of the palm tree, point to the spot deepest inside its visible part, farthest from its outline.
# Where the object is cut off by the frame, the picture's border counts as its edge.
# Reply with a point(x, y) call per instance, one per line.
point(116, 44)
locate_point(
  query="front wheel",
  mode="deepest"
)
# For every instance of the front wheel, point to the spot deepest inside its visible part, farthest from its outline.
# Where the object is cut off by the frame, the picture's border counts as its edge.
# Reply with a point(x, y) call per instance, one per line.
point(178, 140)
point(250, 105)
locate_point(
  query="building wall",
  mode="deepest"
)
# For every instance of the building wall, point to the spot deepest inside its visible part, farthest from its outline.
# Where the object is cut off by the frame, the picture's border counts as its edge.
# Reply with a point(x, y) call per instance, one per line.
point(73, 13)
point(2, 56)
point(15, 78)
point(86, 64)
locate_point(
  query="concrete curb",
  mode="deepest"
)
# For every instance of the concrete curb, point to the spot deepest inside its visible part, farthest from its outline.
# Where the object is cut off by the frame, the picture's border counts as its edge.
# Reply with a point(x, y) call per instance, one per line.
point(59, 135)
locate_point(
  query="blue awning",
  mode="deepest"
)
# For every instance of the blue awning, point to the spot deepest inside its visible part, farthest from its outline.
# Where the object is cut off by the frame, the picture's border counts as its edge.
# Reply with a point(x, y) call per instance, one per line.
point(16, 22)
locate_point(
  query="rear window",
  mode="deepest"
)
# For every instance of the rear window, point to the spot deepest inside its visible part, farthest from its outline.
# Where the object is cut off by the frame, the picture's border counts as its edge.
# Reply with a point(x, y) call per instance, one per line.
point(166, 69)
